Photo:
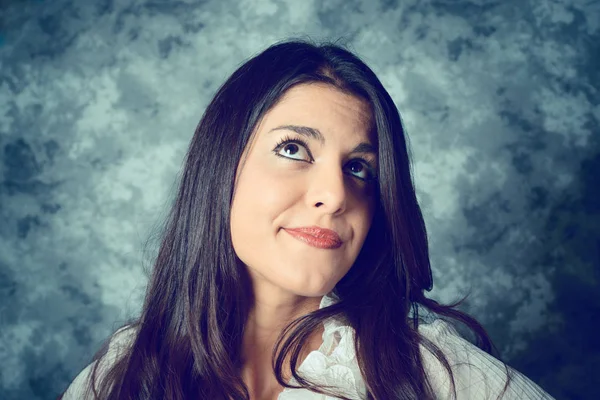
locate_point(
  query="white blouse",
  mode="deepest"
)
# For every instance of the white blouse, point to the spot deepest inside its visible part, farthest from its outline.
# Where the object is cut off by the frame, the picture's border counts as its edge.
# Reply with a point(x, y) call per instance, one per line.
point(483, 376)
point(477, 374)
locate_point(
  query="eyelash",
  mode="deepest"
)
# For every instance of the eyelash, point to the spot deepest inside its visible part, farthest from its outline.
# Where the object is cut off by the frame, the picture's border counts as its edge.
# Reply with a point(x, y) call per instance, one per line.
point(288, 139)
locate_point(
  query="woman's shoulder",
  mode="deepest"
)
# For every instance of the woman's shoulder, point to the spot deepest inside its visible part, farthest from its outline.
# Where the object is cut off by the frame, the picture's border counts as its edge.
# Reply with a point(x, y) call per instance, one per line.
point(477, 374)
point(437, 329)
point(118, 343)
point(122, 337)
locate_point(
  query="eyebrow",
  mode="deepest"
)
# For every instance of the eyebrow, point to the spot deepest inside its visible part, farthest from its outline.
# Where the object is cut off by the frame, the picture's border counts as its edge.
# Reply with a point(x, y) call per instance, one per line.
point(313, 133)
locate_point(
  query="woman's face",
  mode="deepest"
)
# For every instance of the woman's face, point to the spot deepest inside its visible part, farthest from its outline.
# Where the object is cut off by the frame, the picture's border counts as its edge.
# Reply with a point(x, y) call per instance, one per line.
point(289, 185)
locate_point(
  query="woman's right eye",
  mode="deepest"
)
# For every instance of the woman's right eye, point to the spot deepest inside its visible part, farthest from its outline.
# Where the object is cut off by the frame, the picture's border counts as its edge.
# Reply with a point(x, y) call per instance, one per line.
point(292, 149)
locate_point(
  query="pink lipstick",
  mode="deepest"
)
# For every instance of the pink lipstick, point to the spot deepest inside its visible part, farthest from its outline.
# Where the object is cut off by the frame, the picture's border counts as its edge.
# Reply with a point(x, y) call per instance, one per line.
point(316, 237)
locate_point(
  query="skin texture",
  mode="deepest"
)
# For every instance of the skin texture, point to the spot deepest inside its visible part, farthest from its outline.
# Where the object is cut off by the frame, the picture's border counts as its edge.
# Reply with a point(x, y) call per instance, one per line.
point(290, 277)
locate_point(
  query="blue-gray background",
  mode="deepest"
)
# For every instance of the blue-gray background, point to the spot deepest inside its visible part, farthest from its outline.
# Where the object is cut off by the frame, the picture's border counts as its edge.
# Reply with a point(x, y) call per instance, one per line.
point(99, 99)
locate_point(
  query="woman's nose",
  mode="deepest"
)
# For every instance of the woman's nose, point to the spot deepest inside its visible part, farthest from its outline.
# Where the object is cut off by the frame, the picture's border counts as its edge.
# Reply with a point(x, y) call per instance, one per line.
point(327, 189)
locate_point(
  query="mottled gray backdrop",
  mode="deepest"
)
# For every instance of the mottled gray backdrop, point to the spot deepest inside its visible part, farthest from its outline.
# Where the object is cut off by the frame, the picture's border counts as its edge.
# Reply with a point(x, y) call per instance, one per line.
point(99, 99)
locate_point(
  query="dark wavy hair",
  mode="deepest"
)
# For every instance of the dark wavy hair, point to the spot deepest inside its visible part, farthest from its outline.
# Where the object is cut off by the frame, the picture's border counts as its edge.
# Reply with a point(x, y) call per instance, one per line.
point(189, 334)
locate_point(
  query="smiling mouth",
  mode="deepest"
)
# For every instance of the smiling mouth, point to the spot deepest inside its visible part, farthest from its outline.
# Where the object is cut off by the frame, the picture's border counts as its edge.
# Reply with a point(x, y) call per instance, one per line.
point(325, 242)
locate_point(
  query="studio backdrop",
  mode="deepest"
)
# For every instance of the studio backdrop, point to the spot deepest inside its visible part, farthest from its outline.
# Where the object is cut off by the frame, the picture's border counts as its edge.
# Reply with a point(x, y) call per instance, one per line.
point(99, 100)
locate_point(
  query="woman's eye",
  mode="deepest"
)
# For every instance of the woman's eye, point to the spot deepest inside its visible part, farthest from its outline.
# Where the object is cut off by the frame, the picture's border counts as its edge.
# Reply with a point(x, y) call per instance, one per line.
point(357, 167)
point(291, 149)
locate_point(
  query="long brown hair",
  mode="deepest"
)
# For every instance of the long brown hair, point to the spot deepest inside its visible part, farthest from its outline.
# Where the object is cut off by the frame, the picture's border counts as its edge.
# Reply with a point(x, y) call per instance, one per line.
point(188, 337)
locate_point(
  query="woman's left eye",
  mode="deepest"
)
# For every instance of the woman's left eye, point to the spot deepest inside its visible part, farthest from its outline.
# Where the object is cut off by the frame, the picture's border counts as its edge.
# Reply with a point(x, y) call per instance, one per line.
point(359, 167)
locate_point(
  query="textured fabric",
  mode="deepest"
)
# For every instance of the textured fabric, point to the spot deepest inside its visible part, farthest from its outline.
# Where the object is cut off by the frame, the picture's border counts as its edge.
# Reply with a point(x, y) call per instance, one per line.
point(118, 343)
point(477, 375)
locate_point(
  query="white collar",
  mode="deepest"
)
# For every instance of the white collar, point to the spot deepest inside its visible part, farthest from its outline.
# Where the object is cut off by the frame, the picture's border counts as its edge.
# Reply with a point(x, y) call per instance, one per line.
point(334, 363)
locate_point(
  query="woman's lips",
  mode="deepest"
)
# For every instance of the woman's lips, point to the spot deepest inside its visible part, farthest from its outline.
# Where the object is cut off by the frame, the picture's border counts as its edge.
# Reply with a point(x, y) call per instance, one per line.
point(316, 237)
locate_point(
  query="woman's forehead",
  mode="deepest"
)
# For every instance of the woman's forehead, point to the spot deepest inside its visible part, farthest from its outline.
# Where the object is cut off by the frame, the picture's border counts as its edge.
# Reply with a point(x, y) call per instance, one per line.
point(319, 104)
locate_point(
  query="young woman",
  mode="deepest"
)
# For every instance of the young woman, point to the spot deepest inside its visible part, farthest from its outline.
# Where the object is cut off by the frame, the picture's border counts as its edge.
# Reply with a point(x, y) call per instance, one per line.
point(295, 258)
